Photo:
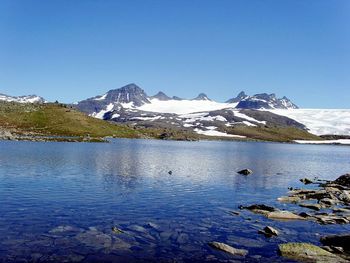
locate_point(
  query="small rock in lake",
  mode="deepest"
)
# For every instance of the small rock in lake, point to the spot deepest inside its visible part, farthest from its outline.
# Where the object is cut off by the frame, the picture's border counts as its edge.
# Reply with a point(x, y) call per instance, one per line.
point(117, 230)
point(170, 172)
point(245, 172)
point(228, 249)
point(306, 181)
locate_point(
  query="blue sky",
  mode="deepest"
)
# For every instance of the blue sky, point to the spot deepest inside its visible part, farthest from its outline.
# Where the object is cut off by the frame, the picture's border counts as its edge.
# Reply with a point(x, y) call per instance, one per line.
point(71, 50)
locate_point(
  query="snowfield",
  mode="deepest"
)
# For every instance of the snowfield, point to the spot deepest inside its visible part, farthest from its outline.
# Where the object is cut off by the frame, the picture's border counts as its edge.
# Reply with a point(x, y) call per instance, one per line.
point(340, 141)
point(184, 106)
point(320, 121)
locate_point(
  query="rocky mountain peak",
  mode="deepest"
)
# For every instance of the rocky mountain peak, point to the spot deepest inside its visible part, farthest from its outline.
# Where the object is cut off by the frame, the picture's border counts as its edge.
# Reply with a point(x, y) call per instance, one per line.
point(265, 101)
point(201, 96)
point(161, 96)
point(238, 98)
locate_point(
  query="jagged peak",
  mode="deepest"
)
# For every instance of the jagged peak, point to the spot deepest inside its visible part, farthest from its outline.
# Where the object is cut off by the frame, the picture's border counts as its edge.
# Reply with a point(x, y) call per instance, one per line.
point(240, 96)
point(201, 96)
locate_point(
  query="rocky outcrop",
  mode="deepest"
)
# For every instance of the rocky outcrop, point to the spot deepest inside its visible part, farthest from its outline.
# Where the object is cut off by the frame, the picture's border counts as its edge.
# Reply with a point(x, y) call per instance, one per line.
point(305, 252)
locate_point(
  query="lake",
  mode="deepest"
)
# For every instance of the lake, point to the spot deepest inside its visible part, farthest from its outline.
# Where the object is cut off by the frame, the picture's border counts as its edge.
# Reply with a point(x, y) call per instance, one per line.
point(60, 201)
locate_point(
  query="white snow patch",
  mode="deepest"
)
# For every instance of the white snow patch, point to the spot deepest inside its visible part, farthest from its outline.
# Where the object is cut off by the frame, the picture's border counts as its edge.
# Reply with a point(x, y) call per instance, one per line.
point(320, 121)
point(147, 118)
point(217, 133)
point(184, 106)
point(187, 125)
point(101, 97)
point(340, 141)
point(243, 116)
point(100, 114)
point(115, 115)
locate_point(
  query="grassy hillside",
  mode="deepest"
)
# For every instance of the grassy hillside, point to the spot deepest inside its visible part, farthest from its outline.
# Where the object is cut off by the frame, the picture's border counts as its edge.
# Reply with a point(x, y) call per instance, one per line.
point(52, 119)
point(57, 120)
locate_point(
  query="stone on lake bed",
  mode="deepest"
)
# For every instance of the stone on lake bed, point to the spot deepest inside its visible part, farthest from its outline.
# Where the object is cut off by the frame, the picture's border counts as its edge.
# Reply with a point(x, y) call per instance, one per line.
point(284, 215)
point(269, 231)
point(305, 252)
point(245, 172)
point(227, 248)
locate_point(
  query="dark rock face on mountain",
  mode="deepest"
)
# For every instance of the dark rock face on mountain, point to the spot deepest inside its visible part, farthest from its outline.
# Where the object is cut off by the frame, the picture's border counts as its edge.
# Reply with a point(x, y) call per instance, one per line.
point(239, 97)
point(128, 94)
point(265, 101)
point(201, 96)
point(161, 96)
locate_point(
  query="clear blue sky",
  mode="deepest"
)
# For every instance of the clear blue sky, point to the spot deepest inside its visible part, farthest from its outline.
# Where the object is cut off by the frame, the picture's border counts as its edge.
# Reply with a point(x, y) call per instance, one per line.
point(71, 50)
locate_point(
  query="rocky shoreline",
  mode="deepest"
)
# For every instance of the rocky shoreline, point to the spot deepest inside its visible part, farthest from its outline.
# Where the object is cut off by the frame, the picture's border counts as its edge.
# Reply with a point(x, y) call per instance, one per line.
point(328, 203)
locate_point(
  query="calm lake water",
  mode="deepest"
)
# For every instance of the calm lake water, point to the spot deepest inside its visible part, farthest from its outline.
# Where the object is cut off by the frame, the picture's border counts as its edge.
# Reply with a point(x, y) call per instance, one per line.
point(59, 201)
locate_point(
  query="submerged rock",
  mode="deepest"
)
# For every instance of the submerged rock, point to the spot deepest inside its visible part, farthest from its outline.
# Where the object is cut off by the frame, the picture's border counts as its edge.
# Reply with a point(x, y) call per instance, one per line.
point(245, 172)
point(305, 252)
point(284, 215)
point(228, 249)
point(117, 230)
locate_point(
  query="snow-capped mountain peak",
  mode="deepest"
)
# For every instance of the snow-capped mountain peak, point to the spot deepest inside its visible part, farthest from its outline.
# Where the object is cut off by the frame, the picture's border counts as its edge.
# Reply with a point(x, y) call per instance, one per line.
point(265, 101)
point(22, 99)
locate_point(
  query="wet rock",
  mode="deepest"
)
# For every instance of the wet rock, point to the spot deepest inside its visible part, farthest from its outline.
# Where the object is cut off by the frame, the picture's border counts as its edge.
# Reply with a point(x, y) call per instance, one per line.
point(343, 180)
point(234, 213)
point(331, 219)
point(289, 199)
point(117, 230)
point(245, 172)
point(228, 249)
point(170, 172)
point(316, 207)
point(328, 201)
point(305, 252)
point(269, 231)
point(259, 207)
point(344, 197)
point(306, 181)
point(337, 241)
point(284, 215)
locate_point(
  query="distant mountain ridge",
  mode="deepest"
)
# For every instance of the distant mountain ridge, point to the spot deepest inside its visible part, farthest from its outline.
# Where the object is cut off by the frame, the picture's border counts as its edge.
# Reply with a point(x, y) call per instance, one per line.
point(22, 99)
point(132, 96)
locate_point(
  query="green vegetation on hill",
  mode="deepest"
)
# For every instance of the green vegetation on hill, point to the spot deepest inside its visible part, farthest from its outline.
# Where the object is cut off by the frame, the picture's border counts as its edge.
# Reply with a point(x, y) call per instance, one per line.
point(57, 120)
point(50, 120)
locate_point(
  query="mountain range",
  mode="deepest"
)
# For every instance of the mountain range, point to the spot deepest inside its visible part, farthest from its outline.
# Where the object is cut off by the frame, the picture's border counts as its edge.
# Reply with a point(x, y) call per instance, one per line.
point(132, 106)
